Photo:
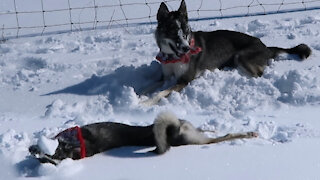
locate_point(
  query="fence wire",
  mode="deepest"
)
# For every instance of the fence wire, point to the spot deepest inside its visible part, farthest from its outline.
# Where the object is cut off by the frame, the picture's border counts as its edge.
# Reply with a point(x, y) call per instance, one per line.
point(14, 27)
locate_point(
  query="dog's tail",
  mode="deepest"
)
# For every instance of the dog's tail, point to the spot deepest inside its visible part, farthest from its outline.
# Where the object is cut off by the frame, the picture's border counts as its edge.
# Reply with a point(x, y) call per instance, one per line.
point(302, 50)
point(164, 123)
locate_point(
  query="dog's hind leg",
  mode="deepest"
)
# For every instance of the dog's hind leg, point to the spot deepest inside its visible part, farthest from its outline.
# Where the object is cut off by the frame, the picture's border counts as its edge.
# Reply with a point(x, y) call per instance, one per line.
point(253, 60)
point(230, 137)
point(155, 99)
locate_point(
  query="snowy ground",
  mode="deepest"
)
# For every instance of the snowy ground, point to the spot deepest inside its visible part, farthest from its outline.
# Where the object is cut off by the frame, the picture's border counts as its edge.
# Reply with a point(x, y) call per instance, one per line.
point(58, 81)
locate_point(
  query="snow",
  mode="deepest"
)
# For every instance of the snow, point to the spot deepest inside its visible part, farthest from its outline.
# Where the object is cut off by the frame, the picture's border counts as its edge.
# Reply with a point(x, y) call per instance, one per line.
point(47, 145)
point(66, 169)
point(50, 83)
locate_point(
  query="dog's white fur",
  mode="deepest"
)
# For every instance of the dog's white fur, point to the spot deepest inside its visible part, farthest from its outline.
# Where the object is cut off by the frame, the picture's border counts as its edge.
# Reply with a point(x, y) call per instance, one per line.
point(184, 40)
point(166, 47)
point(191, 134)
point(174, 69)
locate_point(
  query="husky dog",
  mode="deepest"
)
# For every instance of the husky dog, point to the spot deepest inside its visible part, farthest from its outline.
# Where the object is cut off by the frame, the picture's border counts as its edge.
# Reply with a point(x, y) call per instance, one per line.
point(185, 54)
point(166, 131)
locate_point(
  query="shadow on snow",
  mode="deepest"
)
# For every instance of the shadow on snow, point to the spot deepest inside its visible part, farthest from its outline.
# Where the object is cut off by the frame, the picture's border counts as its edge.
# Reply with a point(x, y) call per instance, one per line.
point(112, 84)
point(131, 152)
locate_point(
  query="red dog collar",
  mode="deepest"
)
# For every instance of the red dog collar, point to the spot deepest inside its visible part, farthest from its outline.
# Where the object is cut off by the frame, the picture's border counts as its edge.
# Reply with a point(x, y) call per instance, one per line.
point(184, 58)
point(73, 135)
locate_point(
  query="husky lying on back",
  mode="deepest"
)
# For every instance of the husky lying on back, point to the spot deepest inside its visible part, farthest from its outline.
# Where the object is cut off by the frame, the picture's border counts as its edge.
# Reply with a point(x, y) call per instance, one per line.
point(185, 54)
point(166, 131)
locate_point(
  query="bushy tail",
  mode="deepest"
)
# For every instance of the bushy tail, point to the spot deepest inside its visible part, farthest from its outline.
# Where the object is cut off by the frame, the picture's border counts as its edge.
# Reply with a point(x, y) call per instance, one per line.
point(302, 50)
point(162, 122)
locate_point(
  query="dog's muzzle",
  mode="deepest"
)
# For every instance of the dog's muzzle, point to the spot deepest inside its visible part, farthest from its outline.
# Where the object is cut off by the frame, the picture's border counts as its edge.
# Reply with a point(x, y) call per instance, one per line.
point(184, 58)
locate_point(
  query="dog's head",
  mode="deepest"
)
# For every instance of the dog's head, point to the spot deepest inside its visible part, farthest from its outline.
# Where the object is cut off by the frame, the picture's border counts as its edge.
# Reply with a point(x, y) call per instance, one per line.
point(173, 32)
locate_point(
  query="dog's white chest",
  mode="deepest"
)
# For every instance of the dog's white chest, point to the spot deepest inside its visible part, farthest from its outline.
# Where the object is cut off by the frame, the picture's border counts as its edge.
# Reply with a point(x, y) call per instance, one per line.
point(174, 69)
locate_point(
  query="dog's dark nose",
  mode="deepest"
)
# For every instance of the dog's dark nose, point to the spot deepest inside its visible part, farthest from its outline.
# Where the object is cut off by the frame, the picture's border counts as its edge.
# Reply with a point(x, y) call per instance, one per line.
point(185, 48)
point(34, 149)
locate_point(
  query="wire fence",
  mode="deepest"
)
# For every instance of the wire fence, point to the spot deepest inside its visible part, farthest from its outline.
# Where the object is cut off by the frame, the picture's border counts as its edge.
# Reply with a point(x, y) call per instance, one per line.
point(38, 17)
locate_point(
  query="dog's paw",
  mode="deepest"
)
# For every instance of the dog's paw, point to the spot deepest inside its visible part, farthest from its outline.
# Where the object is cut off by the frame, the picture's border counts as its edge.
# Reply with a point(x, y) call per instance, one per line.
point(252, 134)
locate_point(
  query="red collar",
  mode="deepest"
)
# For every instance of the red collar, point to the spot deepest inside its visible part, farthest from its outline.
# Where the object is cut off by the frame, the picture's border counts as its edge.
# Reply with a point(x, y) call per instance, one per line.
point(82, 144)
point(74, 134)
point(185, 58)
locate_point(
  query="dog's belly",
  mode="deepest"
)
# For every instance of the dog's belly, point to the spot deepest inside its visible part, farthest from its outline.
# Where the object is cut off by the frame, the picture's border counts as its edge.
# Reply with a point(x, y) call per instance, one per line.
point(174, 69)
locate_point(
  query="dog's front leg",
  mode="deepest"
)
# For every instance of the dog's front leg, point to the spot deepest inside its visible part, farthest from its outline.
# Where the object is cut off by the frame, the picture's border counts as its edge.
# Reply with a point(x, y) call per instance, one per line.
point(165, 93)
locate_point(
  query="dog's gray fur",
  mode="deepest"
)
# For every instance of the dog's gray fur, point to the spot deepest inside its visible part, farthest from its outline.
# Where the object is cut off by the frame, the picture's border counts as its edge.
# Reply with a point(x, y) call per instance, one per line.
point(220, 49)
point(166, 131)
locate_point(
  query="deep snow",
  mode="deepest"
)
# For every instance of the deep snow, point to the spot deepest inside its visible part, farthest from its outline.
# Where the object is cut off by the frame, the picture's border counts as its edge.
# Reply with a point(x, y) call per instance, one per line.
point(53, 82)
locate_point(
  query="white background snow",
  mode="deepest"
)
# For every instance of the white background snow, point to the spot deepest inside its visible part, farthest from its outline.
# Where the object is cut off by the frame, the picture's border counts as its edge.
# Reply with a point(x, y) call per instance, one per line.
point(49, 83)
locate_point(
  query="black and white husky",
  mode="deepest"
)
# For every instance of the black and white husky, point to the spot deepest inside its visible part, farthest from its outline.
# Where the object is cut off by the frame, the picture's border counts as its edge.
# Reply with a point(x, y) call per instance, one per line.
point(185, 54)
point(166, 131)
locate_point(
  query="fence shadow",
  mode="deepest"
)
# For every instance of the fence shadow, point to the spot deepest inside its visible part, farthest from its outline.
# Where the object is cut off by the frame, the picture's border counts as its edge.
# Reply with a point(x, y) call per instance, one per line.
point(136, 77)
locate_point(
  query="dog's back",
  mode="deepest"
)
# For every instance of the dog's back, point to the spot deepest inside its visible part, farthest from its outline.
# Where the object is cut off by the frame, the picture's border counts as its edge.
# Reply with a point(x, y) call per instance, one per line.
point(103, 136)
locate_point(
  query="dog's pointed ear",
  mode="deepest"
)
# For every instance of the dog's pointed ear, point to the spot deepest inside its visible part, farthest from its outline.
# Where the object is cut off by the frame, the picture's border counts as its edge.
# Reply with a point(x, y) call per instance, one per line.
point(163, 11)
point(183, 8)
